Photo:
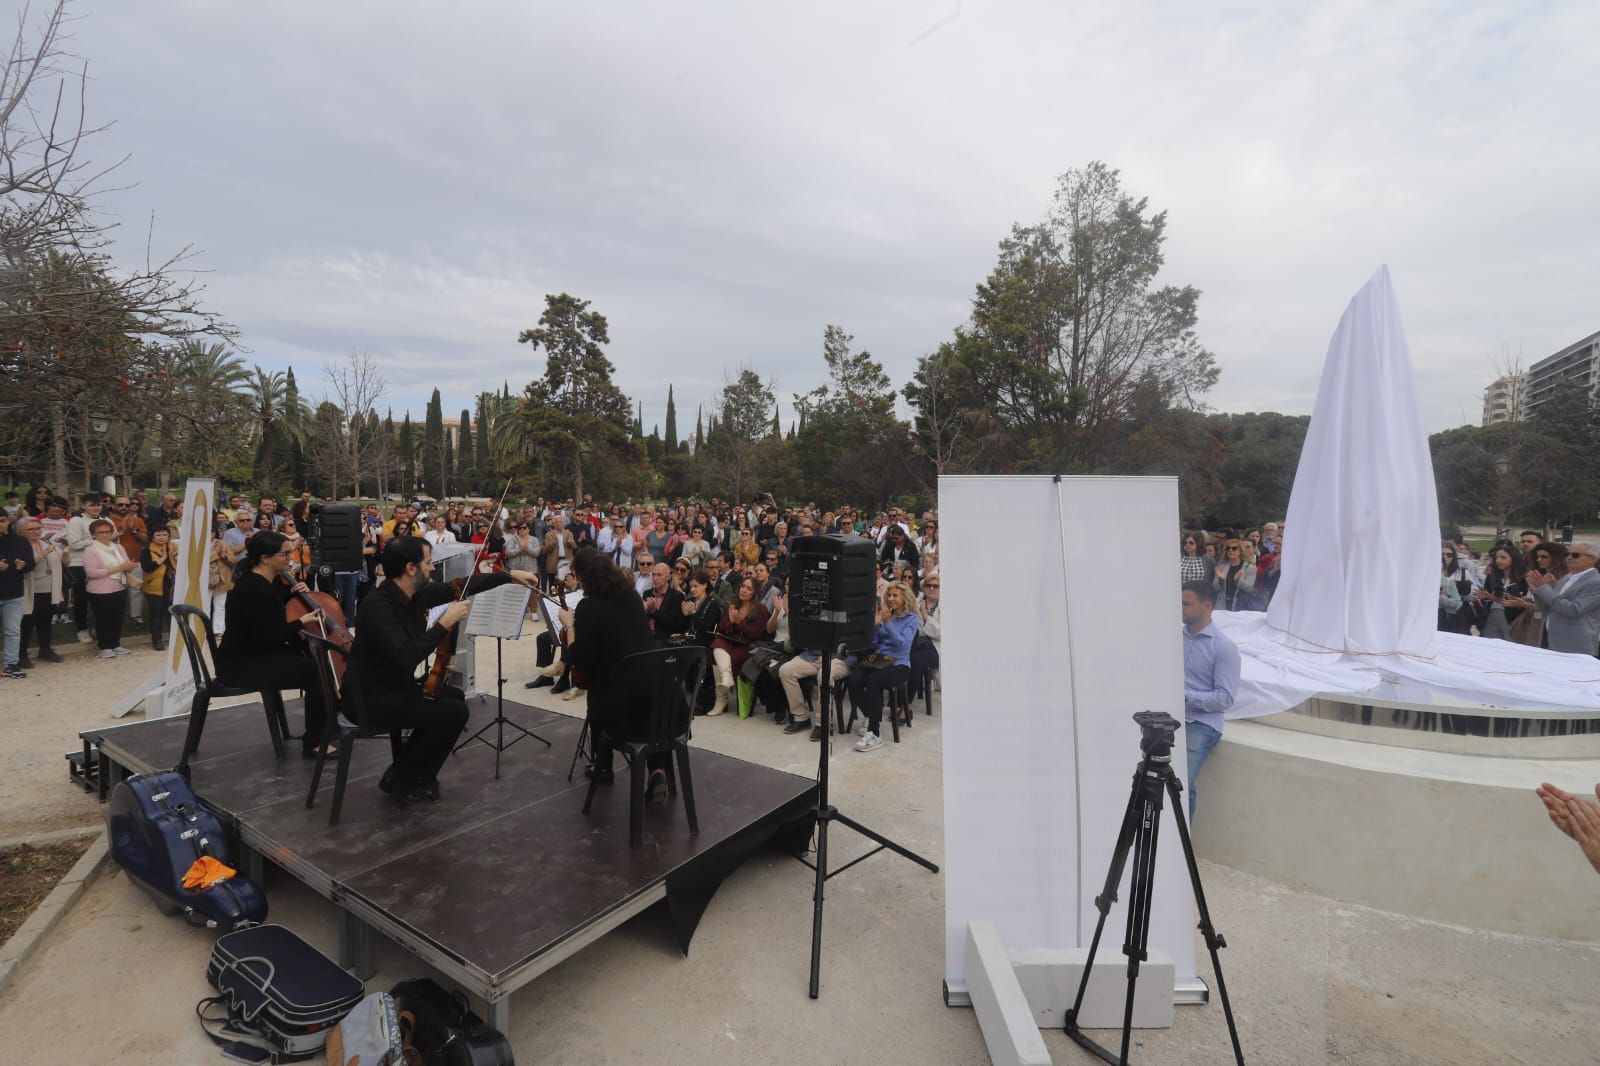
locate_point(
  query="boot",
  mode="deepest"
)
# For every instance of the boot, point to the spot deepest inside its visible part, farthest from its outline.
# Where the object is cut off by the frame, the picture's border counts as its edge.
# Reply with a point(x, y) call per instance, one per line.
point(721, 705)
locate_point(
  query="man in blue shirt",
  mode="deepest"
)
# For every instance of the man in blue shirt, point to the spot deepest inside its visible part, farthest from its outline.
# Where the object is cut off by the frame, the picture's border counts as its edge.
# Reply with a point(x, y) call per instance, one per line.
point(1210, 679)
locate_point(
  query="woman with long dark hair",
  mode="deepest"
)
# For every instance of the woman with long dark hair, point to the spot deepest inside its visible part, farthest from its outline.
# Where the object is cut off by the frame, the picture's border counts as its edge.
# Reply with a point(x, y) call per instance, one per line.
point(608, 625)
point(1192, 562)
point(1502, 592)
point(743, 623)
point(1452, 573)
point(260, 650)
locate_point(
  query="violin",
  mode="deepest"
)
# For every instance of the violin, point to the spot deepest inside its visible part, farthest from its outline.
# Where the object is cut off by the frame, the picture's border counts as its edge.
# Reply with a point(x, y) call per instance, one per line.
point(332, 624)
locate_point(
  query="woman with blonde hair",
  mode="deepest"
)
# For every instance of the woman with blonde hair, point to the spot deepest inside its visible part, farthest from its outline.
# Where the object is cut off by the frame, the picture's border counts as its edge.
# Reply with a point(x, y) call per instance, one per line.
point(1235, 580)
point(888, 665)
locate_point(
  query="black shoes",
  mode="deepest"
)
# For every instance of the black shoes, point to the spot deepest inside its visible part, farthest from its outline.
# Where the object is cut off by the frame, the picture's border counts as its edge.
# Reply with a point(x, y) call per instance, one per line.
point(797, 726)
point(50, 657)
point(559, 687)
point(25, 663)
point(655, 788)
point(540, 682)
point(605, 777)
point(816, 734)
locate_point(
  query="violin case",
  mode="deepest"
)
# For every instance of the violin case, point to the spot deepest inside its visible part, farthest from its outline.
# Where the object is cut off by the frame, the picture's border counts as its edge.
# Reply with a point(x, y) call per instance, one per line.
point(157, 829)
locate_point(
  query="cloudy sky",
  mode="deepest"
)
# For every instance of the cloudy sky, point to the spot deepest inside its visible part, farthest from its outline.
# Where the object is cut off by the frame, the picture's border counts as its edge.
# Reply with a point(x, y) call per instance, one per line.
point(723, 179)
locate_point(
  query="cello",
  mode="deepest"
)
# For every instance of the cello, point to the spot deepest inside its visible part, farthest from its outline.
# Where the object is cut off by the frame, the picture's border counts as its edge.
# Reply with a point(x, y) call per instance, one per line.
point(331, 625)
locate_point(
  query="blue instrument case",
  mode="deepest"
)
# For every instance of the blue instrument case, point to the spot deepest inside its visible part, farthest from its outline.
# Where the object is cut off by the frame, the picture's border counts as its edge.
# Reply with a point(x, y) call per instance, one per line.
point(157, 829)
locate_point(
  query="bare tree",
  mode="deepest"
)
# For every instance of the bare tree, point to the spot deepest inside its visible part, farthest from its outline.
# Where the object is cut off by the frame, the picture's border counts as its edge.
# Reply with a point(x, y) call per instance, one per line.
point(355, 387)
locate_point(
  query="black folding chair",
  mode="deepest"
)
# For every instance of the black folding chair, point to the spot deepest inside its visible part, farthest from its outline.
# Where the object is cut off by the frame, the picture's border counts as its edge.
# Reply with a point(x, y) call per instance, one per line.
point(661, 687)
point(208, 687)
point(346, 728)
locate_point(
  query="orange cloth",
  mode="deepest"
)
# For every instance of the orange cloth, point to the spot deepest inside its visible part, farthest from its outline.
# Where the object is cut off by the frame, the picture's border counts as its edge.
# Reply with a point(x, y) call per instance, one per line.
point(206, 872)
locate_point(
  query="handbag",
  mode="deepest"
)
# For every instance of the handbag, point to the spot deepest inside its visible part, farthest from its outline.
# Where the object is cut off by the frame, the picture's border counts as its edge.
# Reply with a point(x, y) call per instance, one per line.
point(875, 661)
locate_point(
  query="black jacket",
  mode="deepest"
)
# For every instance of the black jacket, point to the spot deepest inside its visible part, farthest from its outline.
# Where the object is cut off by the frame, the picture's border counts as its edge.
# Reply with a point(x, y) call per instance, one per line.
point(18, 555)
point(668, 619)
point(257, 623)
point(605, 631)
point(394, 636)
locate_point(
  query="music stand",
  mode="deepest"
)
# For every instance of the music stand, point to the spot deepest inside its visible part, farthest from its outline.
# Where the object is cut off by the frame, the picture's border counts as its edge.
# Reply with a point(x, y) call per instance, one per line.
point(498, 613)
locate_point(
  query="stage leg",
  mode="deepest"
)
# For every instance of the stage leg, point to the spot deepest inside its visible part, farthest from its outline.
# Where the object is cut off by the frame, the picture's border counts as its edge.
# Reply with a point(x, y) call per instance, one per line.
point(355, 946)
point(252, 865)
point(498, 1015)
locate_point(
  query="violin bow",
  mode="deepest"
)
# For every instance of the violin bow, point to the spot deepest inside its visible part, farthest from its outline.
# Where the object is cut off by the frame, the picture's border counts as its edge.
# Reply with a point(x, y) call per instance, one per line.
point(477, 556)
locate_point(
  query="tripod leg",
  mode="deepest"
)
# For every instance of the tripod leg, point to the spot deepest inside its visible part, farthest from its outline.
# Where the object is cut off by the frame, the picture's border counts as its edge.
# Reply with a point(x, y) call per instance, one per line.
point(1108, 896)
point(1139, 899)
point(1213, 939)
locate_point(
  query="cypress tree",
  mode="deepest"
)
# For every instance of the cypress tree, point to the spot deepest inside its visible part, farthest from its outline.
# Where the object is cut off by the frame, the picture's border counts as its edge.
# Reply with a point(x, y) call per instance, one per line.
point(465, 454)
point(777, 429)
point(485, 420)
point(699, 433)
point(408, 457)
point(672, 423)
point(447, 466)
point(433, 442)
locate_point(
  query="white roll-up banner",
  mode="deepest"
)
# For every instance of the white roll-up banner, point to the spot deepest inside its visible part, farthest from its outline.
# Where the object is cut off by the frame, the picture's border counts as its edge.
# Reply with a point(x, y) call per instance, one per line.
point(191, 584)
point(1061, 619)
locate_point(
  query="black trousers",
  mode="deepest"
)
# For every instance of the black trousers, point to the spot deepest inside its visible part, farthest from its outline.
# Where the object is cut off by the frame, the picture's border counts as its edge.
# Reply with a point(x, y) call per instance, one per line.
point(278, 672)
point(109, 609)
point(435, 727)
point(867, 688)
point(158, 612)
point(78, 589)
point(39, 620)
point(924, 661)
point(601, 727)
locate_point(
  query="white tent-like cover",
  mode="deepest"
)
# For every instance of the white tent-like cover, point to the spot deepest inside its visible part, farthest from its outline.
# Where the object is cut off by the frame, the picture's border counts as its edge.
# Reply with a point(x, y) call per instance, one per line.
point(1356, 606)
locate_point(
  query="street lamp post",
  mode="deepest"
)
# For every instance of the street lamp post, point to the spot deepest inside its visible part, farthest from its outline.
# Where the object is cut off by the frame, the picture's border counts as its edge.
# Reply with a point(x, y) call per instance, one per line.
point(1502, 468)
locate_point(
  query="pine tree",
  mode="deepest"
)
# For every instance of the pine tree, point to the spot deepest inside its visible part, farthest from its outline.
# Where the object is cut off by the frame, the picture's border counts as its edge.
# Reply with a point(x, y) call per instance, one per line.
point(672, 423)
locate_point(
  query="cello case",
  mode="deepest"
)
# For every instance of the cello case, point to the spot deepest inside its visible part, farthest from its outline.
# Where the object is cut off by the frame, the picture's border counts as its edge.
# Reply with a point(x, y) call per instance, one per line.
point(157, 829)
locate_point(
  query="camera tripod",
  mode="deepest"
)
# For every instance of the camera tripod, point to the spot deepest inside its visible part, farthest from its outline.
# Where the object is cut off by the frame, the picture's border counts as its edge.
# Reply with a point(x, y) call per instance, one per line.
point(1140, 831)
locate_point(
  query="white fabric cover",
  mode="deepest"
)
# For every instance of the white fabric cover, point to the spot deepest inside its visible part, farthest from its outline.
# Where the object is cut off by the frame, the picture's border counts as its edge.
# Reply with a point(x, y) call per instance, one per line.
point(1360, 570)
point(1357, 604)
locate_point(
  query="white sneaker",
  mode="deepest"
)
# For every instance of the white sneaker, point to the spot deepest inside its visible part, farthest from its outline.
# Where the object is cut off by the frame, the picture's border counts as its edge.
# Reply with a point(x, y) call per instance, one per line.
point(120, 650)
point(861, 727)
point(84, 637)
point(869, 742)
point(573, 693)
point(107, 653)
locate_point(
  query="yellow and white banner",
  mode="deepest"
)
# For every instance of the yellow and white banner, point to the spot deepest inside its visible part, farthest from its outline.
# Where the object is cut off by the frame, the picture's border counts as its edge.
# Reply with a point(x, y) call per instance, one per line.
point(191, 585)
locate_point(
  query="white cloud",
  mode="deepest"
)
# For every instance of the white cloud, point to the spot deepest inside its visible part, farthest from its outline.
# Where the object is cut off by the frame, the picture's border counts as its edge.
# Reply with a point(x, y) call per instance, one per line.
point(722, 180)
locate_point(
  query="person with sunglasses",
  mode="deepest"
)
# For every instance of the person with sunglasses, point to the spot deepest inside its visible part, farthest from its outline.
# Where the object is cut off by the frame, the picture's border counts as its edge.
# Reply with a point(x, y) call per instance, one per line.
point(1235, 578)
point(1571, 604)
point(1457, 618)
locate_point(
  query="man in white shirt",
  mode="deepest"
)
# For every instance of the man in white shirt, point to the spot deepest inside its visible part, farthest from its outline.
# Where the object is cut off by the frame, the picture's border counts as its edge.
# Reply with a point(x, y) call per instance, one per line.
point(1571, 604)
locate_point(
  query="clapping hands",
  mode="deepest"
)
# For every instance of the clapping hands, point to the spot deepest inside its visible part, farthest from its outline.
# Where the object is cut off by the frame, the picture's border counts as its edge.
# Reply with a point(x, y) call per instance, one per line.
point(1576, 816)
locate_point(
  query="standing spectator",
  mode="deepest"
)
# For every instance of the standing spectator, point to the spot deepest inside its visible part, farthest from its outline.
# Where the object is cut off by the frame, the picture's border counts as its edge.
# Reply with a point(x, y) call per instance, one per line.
point(45, 591)
point(13, 507)
point(521, 550)
point(161, 515)
point(107, 567)
point(557, 552)
point(1550, 560)
point(1504, 586)
point(39, 497)
point(1235, 578)
point(297, 546)
point(156, 562)
point(1459, 619)
point(16, 562)
point(1571, 604)
point(696, 551)
point(133, 536)
point(1210, 680)
point(219, 582)
point(78, 541)
point(1192, 562)
point(441, 533)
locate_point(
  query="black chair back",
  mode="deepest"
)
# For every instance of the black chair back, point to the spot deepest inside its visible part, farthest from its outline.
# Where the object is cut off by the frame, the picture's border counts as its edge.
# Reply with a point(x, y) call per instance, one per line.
point(186, 616)
point(322, 652)
point(662, 686)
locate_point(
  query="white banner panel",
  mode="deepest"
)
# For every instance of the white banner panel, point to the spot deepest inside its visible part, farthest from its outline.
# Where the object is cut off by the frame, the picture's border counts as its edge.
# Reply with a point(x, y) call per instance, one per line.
point(191, 585)
point(1060, 621)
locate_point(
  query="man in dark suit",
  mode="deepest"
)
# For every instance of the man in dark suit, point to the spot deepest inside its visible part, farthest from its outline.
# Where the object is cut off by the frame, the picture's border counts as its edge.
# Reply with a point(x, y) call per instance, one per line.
point(663, 604)
point(392, 641)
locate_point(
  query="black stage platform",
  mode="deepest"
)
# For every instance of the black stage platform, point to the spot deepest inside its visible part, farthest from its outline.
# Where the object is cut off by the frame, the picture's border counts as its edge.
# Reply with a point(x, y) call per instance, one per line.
point(499, 881)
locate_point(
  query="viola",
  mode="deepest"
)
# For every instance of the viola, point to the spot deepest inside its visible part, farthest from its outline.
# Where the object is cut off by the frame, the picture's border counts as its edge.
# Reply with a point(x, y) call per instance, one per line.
point(332, 624)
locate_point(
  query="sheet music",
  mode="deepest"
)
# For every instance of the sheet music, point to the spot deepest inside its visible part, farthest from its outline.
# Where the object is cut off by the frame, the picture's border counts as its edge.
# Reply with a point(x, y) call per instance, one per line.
point(499, 612)
point(550, 610)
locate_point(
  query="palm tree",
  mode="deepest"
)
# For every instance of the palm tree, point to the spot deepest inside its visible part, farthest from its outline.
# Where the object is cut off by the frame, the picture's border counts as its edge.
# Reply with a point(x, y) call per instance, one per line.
point(279, 416)
point(215, 383)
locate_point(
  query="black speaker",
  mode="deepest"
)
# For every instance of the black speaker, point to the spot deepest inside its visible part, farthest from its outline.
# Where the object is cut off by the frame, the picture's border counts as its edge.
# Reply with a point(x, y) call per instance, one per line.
point(336, 538)
point(833, 592)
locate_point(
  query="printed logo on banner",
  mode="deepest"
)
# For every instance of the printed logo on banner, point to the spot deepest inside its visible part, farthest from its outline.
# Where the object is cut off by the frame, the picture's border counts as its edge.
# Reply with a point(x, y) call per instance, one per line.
point(189, 586)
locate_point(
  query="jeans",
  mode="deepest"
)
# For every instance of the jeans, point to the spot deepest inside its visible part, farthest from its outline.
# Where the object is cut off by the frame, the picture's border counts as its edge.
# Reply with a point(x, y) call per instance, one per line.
point(1201, 739)
point(344, 586)
point(11, 620)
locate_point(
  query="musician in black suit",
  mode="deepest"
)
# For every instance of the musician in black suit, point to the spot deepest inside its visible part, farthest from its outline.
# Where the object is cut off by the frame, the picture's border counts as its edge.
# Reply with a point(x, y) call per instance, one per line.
point(392, 641)
point(260, 650)
point(608, 626)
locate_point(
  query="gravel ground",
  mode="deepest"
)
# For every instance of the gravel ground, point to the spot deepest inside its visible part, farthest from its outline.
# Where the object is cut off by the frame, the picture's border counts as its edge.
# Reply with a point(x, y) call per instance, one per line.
point(1312, 980)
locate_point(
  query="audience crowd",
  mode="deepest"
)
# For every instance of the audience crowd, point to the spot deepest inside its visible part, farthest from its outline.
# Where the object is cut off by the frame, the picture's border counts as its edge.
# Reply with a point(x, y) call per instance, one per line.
point(709, 572)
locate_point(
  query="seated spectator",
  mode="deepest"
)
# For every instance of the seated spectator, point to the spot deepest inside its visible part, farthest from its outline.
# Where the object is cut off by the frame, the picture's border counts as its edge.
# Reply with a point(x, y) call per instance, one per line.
point(887, 666)
point(925, 649)
point(743, 623)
